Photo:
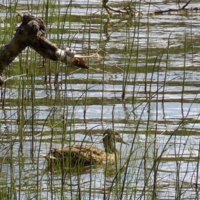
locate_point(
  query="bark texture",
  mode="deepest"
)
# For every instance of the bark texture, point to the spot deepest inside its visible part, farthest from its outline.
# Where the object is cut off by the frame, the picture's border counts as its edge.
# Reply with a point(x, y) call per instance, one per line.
point(31, 33)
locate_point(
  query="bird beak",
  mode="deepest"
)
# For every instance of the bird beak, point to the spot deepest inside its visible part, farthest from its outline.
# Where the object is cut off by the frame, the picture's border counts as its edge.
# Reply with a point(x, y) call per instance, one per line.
point(126, 143)
point(123, 142)
point(119, 139)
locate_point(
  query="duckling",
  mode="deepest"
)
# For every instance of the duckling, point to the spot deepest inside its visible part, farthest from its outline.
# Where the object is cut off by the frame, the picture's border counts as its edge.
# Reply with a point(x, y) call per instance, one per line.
point(87, 154)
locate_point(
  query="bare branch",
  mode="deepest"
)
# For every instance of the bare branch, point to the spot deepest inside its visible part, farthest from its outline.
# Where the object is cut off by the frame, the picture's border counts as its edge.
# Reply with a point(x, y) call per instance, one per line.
point(31, 33)
point(177, 9)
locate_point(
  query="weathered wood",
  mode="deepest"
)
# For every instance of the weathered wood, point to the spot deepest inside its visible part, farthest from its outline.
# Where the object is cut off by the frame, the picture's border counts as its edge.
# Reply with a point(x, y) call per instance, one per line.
point(31, 33)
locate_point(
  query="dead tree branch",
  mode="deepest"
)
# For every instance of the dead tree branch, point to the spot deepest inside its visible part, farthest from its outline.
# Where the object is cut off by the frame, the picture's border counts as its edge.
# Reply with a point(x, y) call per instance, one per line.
point(177, 9)
point(31, 33)
point(126, 10)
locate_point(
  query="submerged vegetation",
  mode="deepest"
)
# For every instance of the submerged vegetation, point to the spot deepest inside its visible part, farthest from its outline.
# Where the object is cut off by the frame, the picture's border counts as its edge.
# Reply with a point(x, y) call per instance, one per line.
point(144, 84)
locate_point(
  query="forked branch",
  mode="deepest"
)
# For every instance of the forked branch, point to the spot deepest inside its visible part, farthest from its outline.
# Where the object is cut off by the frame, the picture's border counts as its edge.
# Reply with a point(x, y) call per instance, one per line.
point(31, 33)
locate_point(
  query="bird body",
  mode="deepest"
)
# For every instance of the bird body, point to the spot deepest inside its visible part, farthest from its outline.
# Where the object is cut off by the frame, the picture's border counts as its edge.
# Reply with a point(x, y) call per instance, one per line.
point(87, 154)
point(83, 154)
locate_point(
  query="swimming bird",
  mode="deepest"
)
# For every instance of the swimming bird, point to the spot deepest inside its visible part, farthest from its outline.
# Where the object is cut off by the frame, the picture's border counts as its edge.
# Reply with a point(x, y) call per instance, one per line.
point(86, 155)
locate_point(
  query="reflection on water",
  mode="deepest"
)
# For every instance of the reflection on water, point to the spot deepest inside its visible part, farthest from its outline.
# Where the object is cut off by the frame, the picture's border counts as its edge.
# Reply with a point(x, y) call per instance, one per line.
point(153, 59)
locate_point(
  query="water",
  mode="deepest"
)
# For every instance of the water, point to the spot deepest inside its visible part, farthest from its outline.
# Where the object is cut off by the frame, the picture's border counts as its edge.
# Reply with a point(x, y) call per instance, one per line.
point(153, 59)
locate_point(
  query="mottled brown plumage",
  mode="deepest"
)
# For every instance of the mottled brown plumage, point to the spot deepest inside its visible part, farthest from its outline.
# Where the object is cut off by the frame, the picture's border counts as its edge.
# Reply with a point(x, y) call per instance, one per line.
point(87, 154)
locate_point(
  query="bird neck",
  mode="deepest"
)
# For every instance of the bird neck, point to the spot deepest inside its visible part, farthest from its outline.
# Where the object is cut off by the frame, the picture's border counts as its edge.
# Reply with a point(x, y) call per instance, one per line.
point(109, 145)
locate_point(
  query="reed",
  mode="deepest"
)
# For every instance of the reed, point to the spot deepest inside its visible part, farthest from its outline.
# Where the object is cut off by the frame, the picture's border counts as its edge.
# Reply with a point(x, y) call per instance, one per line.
point(144, 85)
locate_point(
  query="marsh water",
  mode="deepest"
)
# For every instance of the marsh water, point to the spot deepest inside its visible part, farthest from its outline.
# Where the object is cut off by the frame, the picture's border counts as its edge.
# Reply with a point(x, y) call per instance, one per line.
point(144, 83)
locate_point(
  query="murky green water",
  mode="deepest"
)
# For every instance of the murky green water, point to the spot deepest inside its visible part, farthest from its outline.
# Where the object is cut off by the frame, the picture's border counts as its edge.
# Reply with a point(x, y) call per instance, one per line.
point(146, 86)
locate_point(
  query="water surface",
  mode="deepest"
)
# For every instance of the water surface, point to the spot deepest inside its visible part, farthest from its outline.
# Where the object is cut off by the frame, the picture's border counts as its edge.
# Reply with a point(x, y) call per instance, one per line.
point(152, 61)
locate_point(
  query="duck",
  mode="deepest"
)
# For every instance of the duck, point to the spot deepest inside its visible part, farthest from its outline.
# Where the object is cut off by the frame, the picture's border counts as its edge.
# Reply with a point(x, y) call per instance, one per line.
point(87, 155)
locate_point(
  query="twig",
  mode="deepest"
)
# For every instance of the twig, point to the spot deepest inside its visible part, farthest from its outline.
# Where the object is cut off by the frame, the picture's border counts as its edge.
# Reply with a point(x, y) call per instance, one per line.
point(90, 56)
point(102, 71)
point(186, 4)
point(177, 9)
point(127, 10)
point(14, 77)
